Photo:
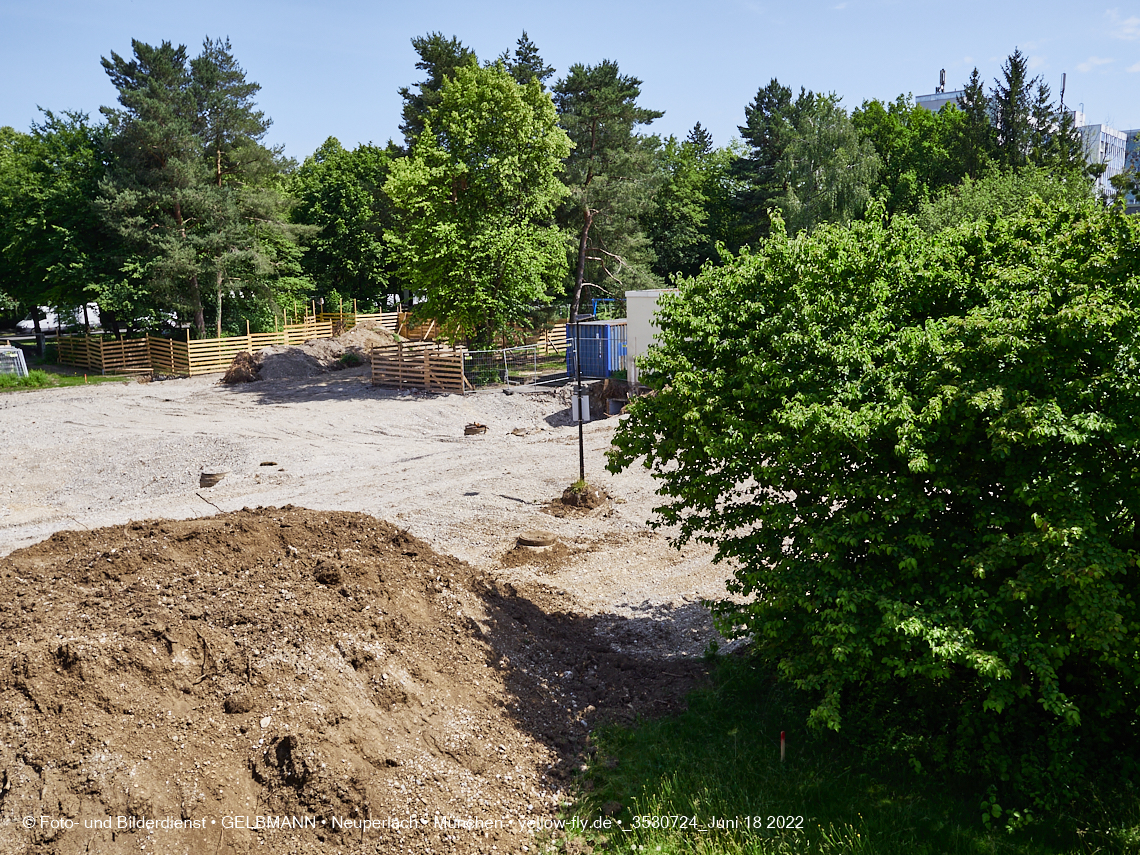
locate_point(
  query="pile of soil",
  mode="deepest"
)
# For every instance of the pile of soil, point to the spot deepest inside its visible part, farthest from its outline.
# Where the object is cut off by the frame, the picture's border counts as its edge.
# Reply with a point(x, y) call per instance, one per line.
point(311, 359)
point(324, 668)
point(243, 369)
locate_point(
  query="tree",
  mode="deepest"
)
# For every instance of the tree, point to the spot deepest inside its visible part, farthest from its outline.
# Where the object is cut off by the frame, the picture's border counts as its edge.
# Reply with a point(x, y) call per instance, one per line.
point(341, 194)
point(475, 202)
point(191, 186)
point(826, 169)
point(527, 64)
point(691, 211)
point(918, 149)
point(978, 141)
point(1012, 105)
point(609, 175)
point(917, 452)
point(1001, 194)
point(440, 58)
point(769, 123)
point(54, 249)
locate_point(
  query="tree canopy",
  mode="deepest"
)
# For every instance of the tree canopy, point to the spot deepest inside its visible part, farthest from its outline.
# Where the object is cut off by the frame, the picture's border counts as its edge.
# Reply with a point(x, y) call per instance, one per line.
point(475, 202)
point(917, 452)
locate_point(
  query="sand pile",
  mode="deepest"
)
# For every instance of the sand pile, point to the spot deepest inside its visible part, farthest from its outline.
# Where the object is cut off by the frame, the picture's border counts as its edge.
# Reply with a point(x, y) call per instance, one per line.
point(311, 359)
point(322, 667)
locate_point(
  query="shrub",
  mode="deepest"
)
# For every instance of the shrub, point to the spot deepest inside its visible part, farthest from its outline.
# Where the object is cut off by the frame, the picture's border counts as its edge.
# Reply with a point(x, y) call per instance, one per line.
point(919, 455)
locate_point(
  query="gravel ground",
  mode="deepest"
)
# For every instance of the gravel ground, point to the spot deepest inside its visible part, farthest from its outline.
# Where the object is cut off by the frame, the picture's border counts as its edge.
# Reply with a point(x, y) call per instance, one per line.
point(86, 457)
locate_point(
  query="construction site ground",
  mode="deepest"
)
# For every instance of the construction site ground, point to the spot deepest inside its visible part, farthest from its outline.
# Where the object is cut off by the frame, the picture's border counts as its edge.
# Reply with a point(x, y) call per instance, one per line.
point(339, 647)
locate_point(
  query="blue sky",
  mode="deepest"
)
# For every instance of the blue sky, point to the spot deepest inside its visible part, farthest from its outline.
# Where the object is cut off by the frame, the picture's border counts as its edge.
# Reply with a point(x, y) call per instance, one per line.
point(333, 69)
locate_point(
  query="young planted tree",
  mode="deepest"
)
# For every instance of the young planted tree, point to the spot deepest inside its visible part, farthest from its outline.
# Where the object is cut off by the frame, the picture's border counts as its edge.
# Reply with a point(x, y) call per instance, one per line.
point(475, 201)
point(610, 176)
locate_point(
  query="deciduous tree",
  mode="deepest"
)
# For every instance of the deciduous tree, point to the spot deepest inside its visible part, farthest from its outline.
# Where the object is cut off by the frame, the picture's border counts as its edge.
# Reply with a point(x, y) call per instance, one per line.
point(475, 202)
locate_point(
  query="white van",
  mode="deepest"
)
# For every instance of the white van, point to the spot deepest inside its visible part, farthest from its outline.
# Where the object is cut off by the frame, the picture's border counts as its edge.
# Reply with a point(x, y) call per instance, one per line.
point(50, 321)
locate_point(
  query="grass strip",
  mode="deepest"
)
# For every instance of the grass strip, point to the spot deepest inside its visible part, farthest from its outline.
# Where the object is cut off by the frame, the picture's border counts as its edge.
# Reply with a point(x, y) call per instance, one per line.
point(710, 782)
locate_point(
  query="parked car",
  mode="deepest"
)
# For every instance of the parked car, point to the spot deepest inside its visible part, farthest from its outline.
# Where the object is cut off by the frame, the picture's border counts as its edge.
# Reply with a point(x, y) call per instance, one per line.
point(50, 320)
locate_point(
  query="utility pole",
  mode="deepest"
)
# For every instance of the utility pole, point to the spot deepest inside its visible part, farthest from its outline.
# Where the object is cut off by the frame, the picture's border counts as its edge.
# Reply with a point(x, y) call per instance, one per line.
point(578, 392)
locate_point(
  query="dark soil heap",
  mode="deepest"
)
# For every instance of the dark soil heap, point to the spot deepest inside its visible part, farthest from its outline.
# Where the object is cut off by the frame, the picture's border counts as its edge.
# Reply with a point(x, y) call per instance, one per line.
point(270, 662)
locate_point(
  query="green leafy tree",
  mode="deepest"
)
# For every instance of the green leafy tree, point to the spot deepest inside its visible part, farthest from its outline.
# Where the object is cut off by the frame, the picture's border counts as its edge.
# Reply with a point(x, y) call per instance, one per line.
point(610, 176)
point(1001, 194)
point(475, 202)
point(54, 249)
point(918, 454)
point(920, 151)
point(341, 194)
point(827, 170)
point(691, 210)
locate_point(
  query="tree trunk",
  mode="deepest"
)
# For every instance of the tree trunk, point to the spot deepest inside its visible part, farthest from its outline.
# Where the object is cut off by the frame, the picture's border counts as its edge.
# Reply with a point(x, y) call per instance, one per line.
point(580, 271)
point(219, 286)
point(195, 290)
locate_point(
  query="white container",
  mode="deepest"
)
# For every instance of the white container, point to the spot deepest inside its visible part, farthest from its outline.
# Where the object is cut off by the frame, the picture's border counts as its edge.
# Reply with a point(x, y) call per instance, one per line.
point(12, 361)
point(640, 311)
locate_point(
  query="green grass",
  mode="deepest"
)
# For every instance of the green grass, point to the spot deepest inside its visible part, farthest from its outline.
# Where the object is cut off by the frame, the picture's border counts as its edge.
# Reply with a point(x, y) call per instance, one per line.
point(50, 379)
point(721, 760)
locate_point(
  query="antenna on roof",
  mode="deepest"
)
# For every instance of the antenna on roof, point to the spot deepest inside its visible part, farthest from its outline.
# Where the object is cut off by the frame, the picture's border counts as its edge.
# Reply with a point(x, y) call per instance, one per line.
point(1062, 93)
point(942, 81)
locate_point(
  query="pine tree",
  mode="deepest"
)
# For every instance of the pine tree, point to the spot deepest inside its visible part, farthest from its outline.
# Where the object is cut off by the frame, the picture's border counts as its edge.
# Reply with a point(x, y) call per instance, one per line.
point(610, 176)
point(1013, 110)
point(700, 139)
point(440, 57)
point(769, 124)
point(527, 64)
point(977, 142)
point(188, 191)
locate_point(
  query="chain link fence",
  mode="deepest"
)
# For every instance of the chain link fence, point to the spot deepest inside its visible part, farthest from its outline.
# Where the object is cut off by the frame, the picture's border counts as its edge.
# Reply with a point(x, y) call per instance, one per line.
point(512, 366)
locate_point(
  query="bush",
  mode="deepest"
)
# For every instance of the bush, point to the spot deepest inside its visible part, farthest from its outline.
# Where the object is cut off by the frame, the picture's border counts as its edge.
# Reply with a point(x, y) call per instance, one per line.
point(35, 379)
point(919, 454)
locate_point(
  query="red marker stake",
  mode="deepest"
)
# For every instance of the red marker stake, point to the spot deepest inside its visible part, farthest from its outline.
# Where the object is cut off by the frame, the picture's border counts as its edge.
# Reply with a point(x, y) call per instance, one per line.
point(781, 746)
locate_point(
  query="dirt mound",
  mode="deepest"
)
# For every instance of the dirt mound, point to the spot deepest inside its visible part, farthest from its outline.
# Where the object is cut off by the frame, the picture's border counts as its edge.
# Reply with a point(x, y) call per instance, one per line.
point(322, 355)
point(578, 502)
point(243, 369)
point(365, 336)
point(287, 362)
point(269, 666)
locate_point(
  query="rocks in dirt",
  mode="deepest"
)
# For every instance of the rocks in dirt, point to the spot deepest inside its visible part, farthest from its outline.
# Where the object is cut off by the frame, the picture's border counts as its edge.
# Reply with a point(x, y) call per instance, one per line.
point(241, 702)
point(585, 496)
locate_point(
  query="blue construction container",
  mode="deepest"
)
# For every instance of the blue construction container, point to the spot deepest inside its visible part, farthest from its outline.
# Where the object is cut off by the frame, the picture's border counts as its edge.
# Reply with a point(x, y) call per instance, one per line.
point(603, 348)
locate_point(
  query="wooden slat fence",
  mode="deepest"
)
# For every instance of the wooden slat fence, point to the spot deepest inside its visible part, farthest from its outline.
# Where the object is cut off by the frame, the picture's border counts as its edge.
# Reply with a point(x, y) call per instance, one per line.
point(385, 320)
point(126, 356)
point(419, 365)
point(154, 353)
